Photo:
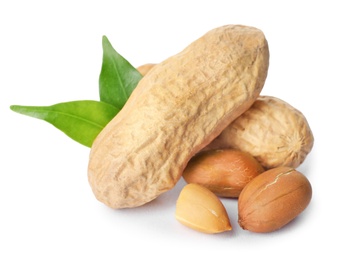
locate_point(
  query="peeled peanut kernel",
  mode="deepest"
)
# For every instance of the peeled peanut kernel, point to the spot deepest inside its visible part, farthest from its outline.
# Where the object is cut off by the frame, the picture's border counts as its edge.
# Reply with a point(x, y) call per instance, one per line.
point(273, 199)
point(224, 171)
point(200, 209)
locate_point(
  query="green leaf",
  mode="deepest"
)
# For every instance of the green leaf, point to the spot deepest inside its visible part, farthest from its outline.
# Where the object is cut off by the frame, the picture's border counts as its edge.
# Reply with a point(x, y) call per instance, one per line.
point(81, 120)
point(118, 77)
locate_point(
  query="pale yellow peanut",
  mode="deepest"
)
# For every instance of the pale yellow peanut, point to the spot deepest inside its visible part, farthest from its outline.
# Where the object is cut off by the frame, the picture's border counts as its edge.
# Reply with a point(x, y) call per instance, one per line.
point(200, 209)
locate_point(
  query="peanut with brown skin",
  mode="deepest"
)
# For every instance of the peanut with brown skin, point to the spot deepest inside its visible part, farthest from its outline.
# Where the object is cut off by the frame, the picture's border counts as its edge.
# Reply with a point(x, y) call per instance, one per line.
point(143, 151)
point(273, 199)
point(224, 172)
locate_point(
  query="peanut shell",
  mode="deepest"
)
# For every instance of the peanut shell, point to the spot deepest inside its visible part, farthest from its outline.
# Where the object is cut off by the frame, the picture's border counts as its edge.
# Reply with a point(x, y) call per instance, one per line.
point(179, 107)
point(145, 68)
point(271, 130)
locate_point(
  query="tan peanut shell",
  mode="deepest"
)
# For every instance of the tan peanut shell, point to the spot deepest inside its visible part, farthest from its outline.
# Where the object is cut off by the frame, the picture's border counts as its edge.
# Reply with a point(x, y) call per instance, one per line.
point(224, 171)
point(273, 199)
point(272, 131)
point(145, 68)
point(179, 107)
point(200, 209)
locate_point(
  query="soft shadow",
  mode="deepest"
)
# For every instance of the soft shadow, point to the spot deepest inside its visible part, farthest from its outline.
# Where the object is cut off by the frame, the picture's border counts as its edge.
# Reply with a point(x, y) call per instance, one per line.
point(309, 163)
point(165, 202)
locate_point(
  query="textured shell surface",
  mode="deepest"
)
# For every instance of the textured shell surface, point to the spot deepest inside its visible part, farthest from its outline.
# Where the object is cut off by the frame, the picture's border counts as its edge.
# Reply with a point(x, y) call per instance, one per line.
point(180, 106)
point(273, 131)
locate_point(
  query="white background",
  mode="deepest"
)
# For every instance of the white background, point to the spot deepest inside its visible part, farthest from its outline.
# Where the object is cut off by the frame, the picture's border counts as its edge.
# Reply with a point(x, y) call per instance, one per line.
point(50, 52)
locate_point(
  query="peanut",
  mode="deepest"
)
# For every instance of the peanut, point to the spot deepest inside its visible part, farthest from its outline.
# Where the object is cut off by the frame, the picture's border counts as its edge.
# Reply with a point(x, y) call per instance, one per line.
point(224, 172)
point(272, 131)
point(143, 151)
point(145, 68)
point(200, 209)
point(273, 199)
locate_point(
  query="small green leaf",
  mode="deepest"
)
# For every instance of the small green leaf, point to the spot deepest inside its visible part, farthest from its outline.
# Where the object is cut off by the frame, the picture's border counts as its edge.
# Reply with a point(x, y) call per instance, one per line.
point(118, 77)
point(81, 120)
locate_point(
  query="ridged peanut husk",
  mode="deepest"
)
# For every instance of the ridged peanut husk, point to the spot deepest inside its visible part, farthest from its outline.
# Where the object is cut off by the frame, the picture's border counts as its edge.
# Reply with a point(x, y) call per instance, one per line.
point(273, 199)
point(145, 68)
point(271, 130)
point(179, 107)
